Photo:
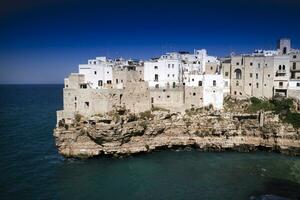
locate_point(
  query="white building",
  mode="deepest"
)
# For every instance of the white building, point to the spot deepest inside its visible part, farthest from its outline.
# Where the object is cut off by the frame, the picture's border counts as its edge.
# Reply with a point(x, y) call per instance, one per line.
point(162, 72)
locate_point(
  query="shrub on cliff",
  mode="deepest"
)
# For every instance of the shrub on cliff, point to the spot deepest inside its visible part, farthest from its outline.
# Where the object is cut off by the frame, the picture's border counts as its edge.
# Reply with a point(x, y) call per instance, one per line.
point(78, 117)
point(146, 115)
point(260, 104)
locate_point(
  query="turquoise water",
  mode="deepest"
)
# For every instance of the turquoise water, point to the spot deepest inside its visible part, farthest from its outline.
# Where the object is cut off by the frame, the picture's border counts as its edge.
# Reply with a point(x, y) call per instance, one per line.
point(31, 168)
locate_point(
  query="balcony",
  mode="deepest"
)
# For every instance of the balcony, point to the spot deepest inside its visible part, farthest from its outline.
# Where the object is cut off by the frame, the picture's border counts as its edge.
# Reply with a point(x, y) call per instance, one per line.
point(281, 71)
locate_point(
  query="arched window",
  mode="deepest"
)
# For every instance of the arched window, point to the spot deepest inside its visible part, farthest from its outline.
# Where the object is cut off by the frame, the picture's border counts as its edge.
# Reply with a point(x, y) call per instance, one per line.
point(279, 67)
point(238, 73)
point(283, 67)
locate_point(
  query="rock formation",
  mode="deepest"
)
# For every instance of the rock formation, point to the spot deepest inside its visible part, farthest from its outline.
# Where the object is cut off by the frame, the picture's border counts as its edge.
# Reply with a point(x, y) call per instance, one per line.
point(121, 132)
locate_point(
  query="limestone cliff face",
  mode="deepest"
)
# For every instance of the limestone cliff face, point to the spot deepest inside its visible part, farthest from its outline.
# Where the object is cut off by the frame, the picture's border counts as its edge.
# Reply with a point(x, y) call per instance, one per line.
point(122, 133)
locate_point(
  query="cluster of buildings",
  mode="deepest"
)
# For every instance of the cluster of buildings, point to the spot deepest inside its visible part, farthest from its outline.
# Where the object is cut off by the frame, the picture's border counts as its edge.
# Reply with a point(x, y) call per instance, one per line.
point(181, 80)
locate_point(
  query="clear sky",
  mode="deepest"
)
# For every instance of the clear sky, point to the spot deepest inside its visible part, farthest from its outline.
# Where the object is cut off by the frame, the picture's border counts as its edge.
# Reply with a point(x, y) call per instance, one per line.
point(43, 41)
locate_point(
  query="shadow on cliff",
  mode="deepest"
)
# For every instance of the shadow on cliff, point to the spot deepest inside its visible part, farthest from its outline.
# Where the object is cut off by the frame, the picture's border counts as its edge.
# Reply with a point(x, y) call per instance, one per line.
point(277, 189)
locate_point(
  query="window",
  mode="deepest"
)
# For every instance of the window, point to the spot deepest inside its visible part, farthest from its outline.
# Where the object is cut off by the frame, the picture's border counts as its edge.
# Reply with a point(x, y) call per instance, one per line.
point(257, 85)
point(214, 82)
point(156, 77)
point(168, 96)
point(238, 73)
point(237, 83)
point(199, 83)
point(194, 94)
point(168, 75)
point(251, 64)
point(95, 72)
point(155, 67)
point(174, 84)
point(250, 84)
point(283, 67)
point(172, 65)
point(100, 83)
point(192, 79)
point(256, 75)
point(86, 104)
point(75, 98)
point(250, 75)
point(280, 84)
point(108, 81)
point(298, 84)
point(258, 65)
point(237, 63)
point(294, 65)
point(117, 81)
point(294, 56)
point(211, 68)
point(269, 75)
point(234, 92)
point(173, 75)
point(279, 67)
point(226, 73)
point(169, 65)
point(107, 72)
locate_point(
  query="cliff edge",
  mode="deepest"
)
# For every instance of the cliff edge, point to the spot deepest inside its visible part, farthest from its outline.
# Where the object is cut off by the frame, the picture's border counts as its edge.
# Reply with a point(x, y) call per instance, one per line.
point(122, 133)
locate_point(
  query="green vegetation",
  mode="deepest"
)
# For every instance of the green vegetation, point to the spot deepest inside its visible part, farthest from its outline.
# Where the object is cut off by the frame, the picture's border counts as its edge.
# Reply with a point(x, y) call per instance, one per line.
point(282, 106)
point(78, 117)
point(159, 109)
point(146, 115)
point(260, 104)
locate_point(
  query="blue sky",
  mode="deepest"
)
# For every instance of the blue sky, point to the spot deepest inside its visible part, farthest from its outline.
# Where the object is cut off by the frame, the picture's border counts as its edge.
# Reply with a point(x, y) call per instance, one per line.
point(43, 41)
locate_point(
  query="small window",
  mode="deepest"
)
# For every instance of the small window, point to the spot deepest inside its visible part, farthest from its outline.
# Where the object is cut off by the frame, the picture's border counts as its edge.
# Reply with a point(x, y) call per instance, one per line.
point(214, 82)
point(279, 67)
point(250, 84)
point(95, 72)
point(258, 65)
point(251, 64)
point(172, 65)
point(237, 83)
point(298, 84)
point(234, 92)
point(168, 96)
point(211, 68)
point(75, 98)
point(169, 65)
point(194, 94)
point(257, 85)
point(294, 65)
point(155, 67)
point(107, 72)
point(192, 79)
point(100, 83)
point(173, 75)
point(283, 67)
point(117, 81)
point(86, 104)
point(250, 75)
point(294, 56)
point(168, 75)
point(199, 83)
point(226, 73)
point(280, 84)
point(237, 63)
point(108, 81)
point(256, 76)
point(269, 75)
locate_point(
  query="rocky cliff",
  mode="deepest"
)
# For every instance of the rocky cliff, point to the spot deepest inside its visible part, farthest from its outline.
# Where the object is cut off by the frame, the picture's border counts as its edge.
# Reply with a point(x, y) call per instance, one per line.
point(122, 133)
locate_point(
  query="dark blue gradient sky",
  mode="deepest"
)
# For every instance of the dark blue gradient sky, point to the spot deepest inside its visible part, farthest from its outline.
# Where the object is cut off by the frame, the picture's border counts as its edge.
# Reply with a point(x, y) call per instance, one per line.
point(43, 41)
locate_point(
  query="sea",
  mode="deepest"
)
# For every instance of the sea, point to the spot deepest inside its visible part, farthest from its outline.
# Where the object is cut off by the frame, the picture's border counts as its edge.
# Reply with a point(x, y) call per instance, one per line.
point(31, 167)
